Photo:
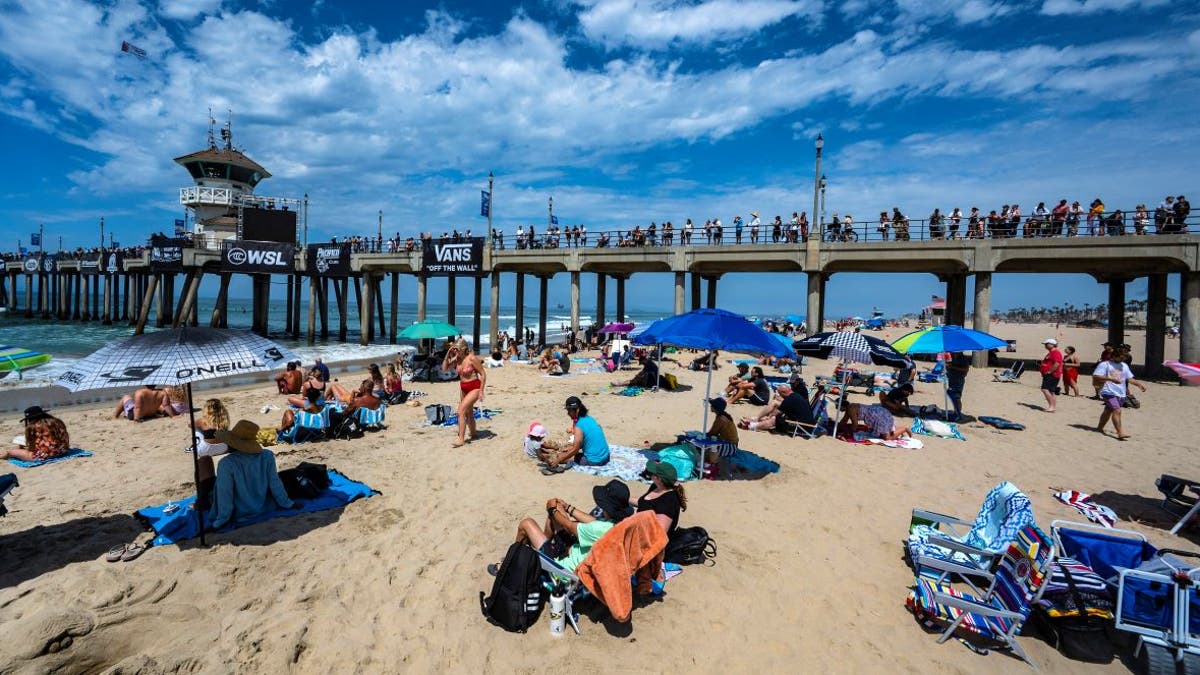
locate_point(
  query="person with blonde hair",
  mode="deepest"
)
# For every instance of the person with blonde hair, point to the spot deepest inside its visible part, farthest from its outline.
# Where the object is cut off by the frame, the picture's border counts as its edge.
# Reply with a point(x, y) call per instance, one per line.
point(472, 378)
point(213, 418)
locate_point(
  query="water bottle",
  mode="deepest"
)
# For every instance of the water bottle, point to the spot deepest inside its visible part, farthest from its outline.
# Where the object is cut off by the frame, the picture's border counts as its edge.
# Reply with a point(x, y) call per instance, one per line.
point(558, 616)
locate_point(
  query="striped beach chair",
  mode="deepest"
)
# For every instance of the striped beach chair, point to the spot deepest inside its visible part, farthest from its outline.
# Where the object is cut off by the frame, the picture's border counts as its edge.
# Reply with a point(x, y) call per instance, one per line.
point(997, 615)
point(371, 419)
point(307, 427)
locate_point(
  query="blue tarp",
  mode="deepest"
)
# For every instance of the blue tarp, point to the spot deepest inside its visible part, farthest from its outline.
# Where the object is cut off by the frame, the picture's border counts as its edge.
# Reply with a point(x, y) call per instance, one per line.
point(181, 524)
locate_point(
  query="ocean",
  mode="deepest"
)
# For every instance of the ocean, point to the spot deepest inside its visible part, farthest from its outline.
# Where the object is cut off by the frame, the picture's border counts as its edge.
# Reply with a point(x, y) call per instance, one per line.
point(69, 341)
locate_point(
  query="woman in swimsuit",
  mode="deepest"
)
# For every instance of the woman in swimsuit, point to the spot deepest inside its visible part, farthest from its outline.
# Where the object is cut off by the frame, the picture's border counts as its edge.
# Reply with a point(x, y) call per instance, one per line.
point(472, 377)
point(1071, 365)
point(314, 381)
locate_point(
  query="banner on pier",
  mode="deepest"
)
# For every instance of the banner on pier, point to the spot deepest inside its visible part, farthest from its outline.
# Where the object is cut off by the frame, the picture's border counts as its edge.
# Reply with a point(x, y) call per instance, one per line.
point(166, 255)
point(328, 260)
point(40, 263)
point(110, 262)
point(451, 259)
point(258, 257)
point(90, 266)
point(485, 203)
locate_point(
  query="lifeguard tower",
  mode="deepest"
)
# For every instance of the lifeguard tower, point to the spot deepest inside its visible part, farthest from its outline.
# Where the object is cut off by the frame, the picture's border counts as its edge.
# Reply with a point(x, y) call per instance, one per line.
point(223, 193)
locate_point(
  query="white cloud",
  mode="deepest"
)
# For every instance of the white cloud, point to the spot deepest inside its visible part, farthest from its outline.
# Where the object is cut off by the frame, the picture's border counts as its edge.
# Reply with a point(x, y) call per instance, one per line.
point(1076, 7)
point(963, 11)
point(186, 10)
point(655, 24)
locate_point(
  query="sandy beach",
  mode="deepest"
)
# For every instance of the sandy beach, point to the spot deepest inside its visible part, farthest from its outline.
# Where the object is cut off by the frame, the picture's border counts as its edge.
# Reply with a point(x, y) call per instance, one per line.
point(809, 576)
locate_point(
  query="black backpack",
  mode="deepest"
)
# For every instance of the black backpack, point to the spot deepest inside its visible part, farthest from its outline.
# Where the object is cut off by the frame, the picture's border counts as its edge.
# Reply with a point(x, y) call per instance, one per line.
point(305, 481)
point(691, 546)
point(347, 428)
point(516, 599)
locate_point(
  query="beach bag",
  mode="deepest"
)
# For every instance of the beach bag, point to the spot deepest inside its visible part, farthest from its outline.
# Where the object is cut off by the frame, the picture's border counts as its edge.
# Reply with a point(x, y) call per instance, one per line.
point(438, 413)
point(516, 599)
point(681, 457)
point(305, 481)
point(1080, 636)
point(266, 437)
point(398, 397)
point(690, 546)
point(668, 382)
point(348, 428)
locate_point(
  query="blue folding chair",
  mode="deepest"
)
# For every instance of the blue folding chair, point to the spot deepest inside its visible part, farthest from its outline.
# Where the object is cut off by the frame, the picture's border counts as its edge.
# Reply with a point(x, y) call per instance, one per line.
point(371, 419)
point(307, 427)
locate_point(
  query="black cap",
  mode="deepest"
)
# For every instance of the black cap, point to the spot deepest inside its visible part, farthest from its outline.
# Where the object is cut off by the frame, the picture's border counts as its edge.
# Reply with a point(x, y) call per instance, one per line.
point(573, 402)
point(613, 497)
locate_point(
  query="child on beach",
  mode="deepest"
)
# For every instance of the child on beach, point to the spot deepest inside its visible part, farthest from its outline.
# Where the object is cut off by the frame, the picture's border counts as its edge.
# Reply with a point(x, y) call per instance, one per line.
point(536, 441)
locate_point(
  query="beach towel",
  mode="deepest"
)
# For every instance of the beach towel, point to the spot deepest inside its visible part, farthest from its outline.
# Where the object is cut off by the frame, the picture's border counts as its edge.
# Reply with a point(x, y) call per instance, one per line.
point(634, 546)
point(1001, 423)
point(485, 414)
point(629, 391)
point(1082, 502)
point(751, 463)
point(936, 428)
point(70, 454)
point(1004, 512)
point(904, 443)
point(181, 524)
point(624, 462)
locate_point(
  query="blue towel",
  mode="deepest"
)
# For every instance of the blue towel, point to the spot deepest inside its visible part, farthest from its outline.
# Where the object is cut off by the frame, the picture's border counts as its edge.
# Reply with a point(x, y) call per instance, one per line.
point(748, 461)
point(71, 454)
point(172, 528)
point(452, 420)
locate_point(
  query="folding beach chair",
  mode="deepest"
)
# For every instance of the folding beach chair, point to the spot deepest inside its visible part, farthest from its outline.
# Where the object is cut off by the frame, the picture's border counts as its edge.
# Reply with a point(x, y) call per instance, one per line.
point(934, 374)
point(7, 482)
point(1003, 513)
point(998, 614)
point(820, 412)
point(371, 419)
point(575, 590)
point(1176, 500)
point(307, 426)
point(1011, 374)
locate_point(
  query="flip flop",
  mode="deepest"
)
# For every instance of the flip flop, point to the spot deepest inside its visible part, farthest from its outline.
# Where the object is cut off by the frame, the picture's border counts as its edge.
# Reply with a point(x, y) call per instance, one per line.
point(132, 551)
point(115, 553)
point(493, 569)
point(552, 470)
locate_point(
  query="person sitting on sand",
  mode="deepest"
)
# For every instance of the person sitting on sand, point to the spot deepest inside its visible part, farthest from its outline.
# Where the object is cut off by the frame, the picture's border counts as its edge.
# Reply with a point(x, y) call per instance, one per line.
point(896, 399)
point(759, 391)
point(549, 363)
point(536, 441)
point(393, 385)
point(320, 367)
point(739, 379)
point(1114, 377)
point(290, 380)
point(570, 532)
point(177, 401)
point(377, 382)
point(646, 378)
point(45, 437)
point(247, 481)
point(213, 418)
point(314, 381)
point(313, 403)
point(143, 404)
point(789, 405)
point(363, 397)
point(879, 422)
point(665, 497)
point(586, 445)
point(496, 360)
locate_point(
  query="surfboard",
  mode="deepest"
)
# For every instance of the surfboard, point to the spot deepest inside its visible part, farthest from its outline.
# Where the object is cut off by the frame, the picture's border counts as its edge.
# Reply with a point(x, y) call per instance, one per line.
point(19, 359)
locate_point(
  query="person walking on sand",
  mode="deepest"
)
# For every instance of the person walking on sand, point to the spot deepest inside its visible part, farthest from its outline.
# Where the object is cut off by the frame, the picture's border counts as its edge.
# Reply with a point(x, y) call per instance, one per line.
point(472, 378)
point(1051, 369)
point(1071, 365)
point(1114, 377)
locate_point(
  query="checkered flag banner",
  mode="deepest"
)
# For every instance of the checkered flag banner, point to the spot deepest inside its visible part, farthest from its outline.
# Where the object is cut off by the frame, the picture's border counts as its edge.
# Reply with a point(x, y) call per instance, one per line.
point(174, 357)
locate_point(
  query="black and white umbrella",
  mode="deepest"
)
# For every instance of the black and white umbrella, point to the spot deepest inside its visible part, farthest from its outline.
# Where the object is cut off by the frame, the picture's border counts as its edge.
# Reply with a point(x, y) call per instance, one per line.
point(176, 357)
point(849, 346)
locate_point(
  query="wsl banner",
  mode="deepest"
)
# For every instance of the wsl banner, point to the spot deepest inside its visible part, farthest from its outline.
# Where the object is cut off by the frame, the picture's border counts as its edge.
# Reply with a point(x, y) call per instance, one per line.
point(328, 260)
point(166, 255)
point(453, 259)
point(258, 257)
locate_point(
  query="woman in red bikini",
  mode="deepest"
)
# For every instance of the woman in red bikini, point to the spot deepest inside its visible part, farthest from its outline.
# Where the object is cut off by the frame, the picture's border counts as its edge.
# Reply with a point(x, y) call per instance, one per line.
point(471, 379)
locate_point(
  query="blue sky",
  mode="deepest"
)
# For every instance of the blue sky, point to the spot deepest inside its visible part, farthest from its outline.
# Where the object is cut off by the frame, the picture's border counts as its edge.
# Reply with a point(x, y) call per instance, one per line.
point(625, 111)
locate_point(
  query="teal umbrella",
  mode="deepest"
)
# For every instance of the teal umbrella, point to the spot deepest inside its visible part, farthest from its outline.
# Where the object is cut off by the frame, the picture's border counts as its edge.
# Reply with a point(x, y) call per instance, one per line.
point(429, 329)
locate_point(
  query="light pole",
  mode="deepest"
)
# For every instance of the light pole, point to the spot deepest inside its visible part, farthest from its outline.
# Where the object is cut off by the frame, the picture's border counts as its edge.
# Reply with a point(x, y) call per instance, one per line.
point(491, 183)
point(379, 234)
point(822, 205)
point(306, 220)
point(817, 186)
point(549, 213)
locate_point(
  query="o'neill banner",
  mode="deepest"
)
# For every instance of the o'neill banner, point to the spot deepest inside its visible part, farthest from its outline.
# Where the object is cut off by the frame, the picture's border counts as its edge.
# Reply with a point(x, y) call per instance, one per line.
point(258, 257)
point(328, 260)
point(453, 259)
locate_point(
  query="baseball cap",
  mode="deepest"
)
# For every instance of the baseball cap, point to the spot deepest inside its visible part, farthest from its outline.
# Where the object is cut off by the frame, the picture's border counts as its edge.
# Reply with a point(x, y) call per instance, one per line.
point(1050, 341)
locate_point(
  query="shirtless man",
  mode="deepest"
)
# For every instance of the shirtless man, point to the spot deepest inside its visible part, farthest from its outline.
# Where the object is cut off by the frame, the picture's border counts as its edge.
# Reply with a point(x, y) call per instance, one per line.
point(289, 381)
point(143, 404)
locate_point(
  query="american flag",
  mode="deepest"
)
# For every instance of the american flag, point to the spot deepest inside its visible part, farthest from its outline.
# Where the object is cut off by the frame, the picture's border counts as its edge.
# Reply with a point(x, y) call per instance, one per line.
point(133, 49)
point(938, 299)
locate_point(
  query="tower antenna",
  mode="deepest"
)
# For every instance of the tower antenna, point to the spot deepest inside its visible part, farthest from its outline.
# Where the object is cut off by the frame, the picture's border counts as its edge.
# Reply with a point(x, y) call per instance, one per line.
point(212, 141)
point(227, 130)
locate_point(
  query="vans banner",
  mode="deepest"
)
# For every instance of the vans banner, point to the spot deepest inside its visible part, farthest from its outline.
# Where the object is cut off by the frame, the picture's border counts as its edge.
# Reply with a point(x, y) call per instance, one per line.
point(258, 257)
point(448, 259)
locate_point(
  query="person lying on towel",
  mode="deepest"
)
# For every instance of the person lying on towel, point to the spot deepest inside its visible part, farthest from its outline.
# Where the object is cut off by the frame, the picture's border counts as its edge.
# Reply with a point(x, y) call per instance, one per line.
point(896, 399)
point(45, 437)
point(570, 532)
point(879, 422)
point(247, 479)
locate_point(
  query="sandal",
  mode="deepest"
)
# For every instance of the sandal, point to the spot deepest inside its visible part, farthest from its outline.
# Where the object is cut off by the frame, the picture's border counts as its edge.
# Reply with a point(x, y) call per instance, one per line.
point(493, 569)
point(132, 551)
point(114, 554)
point(552, 470)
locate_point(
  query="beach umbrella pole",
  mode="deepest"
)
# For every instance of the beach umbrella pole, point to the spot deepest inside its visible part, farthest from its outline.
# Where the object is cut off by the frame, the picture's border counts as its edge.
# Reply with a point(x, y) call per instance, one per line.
point(196, 463)
point(841, 397)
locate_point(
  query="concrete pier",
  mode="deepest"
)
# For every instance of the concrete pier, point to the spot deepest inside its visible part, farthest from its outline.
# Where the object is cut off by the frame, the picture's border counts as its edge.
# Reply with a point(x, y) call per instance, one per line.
point(1189, 317)
point(1116, 311)
point(981, 313)
point(1156, 324)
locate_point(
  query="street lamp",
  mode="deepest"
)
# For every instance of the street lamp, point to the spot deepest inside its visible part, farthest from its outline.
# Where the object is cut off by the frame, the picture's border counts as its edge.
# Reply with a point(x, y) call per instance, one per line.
point(823, 183)
point(818, 184)
point(379, 237)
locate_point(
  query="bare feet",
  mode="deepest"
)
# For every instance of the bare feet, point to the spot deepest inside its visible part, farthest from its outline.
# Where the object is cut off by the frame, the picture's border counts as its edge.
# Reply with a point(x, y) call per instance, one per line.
point(458, 443)
point(1123, 438)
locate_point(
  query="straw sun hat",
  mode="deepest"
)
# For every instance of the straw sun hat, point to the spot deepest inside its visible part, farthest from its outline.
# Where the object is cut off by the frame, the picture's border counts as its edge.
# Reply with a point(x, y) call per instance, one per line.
point(242, 437)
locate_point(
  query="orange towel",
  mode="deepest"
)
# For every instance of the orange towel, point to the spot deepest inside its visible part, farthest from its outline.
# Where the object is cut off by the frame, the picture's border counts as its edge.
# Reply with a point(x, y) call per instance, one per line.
point(635, 545)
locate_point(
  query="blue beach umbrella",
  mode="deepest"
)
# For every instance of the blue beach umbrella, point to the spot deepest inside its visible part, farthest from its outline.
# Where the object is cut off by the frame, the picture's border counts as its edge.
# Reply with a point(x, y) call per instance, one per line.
point(711, 329)
point(940, 339)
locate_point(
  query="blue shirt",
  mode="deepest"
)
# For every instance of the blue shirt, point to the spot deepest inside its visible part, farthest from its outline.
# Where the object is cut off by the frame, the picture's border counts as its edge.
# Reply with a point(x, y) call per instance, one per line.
point(247, 484)
point(595, 445)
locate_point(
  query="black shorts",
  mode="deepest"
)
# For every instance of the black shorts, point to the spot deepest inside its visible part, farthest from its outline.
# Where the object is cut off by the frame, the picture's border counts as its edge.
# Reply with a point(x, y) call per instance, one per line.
point(1049, 383)
point(757, 400)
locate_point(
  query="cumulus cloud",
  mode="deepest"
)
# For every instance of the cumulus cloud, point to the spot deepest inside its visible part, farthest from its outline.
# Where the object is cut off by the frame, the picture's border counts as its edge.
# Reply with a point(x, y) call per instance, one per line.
point(186, 10)
point(1078, 7)
point(655, 24)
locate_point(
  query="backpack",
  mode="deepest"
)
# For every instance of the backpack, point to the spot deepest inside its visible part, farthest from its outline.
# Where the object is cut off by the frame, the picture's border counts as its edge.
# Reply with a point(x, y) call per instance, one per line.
point(305, 481)
point(516, 599)
point(396, 398)
point(668, 382)
point(691, 546)
point(438, 413)
point(349, 427)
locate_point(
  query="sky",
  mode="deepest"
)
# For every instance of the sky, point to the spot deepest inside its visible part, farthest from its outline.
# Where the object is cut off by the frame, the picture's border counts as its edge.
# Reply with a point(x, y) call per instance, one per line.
point(624, 111)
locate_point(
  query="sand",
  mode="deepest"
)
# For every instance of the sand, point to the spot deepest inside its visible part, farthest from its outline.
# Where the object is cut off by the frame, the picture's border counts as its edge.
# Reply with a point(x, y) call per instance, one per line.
point(809, 576)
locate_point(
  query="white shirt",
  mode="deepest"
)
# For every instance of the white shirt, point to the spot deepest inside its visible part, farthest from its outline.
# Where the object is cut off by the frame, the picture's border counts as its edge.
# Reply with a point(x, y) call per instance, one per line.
point(1110, 388)
point(755, 222)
